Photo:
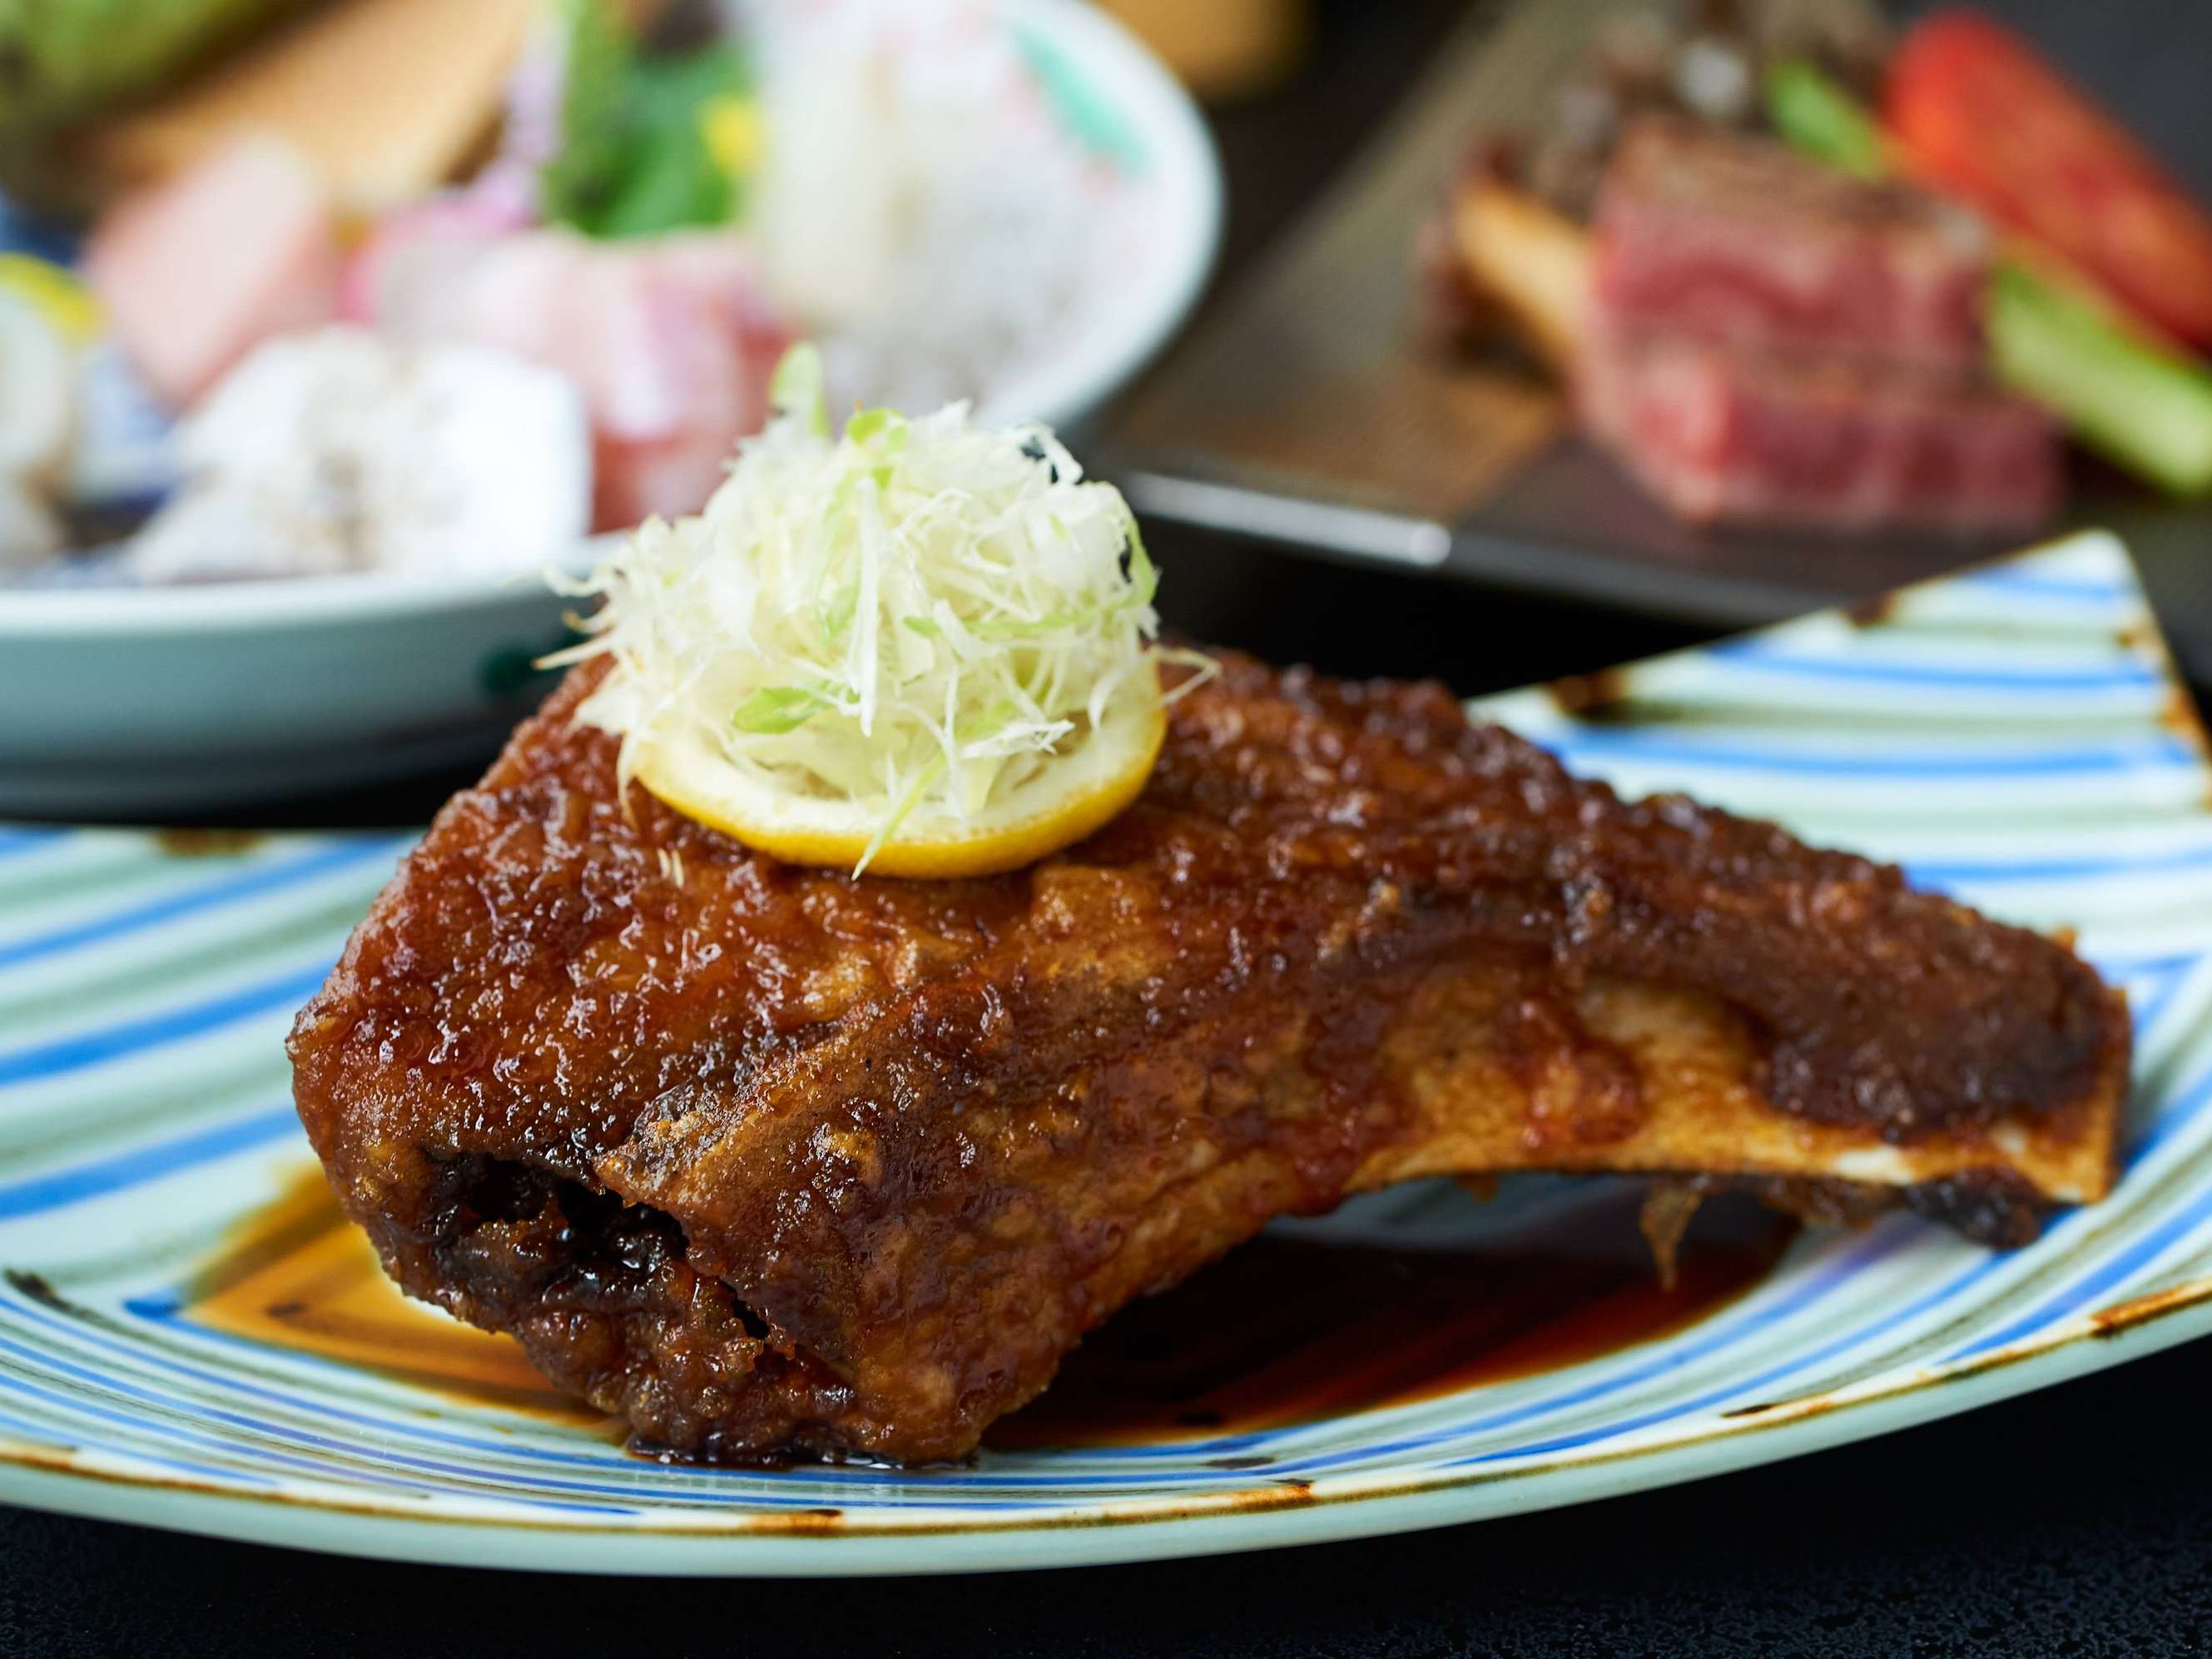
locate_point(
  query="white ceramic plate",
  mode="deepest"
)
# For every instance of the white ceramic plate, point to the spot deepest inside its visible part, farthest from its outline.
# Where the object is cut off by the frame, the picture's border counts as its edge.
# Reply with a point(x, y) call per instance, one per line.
point(154, 701)
point(173, 1349)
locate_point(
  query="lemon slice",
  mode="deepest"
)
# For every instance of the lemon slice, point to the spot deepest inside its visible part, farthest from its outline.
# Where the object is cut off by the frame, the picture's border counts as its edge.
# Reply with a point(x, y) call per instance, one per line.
point(1077, 788)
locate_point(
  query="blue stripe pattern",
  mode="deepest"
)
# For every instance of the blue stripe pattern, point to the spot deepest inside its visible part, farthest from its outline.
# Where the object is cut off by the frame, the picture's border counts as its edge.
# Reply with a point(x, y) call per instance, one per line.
point(205, 896)
point(2022, 578)
point(80, 1182)
point(1599, 744)
point(1763, 655)
point(127, 1371)
point(2109, 1275)
point(131, 1038)
point(1953, 872)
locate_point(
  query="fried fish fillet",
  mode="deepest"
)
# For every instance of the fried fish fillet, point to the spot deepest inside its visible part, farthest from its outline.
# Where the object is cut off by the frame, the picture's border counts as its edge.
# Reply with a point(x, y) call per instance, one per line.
point(770, 1159)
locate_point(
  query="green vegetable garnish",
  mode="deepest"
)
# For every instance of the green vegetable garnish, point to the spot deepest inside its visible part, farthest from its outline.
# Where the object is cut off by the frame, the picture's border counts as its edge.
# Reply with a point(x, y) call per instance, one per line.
point(637, 153)
point(1815, 114)
point(2141, 407)
point(775, 709)
point(796, 391)
point(870, 424)
point(2133, 401)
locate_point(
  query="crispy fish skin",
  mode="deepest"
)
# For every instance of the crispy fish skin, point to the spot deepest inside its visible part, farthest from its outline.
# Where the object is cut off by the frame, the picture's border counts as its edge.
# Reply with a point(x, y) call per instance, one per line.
point(767, 1159)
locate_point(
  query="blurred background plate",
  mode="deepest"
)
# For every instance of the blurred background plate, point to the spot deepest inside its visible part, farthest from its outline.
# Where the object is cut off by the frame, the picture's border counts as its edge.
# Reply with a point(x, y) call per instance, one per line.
point(1306, 410)
point(218, 698)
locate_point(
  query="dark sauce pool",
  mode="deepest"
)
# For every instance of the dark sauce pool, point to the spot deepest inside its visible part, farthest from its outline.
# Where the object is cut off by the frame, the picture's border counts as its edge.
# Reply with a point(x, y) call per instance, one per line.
point(1283, 1330)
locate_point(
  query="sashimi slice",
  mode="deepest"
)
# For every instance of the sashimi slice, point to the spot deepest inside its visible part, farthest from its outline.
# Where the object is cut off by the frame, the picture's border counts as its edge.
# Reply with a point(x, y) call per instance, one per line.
point(669, 338)
point(195, 273)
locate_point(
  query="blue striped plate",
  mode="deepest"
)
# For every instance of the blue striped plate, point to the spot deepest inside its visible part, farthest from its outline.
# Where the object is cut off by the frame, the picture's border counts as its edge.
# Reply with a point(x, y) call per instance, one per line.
point(187, 1340)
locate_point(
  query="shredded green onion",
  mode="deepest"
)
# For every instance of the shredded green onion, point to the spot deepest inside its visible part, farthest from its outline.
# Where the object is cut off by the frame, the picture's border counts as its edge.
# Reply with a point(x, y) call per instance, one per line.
point(913, 614)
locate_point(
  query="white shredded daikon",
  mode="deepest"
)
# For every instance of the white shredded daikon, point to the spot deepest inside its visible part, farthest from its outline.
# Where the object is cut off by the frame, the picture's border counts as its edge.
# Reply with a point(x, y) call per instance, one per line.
point(914, 615)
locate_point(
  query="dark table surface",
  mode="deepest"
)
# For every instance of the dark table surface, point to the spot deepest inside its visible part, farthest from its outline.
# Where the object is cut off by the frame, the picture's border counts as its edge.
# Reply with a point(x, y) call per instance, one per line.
point(2075, 1521)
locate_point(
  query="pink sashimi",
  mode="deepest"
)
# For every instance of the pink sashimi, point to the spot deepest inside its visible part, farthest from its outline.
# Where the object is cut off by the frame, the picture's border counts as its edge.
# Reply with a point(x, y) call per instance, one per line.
point(668, 337)
point(452, 227)
point(197, 271)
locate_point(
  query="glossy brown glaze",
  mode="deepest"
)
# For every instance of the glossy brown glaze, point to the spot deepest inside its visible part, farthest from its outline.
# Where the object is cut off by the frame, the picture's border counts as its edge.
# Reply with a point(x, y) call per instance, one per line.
point(761, 1156)
point(1888, 1008)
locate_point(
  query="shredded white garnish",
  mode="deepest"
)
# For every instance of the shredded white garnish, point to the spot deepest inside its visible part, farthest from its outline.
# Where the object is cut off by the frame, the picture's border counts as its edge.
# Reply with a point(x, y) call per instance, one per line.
point(914, 614)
